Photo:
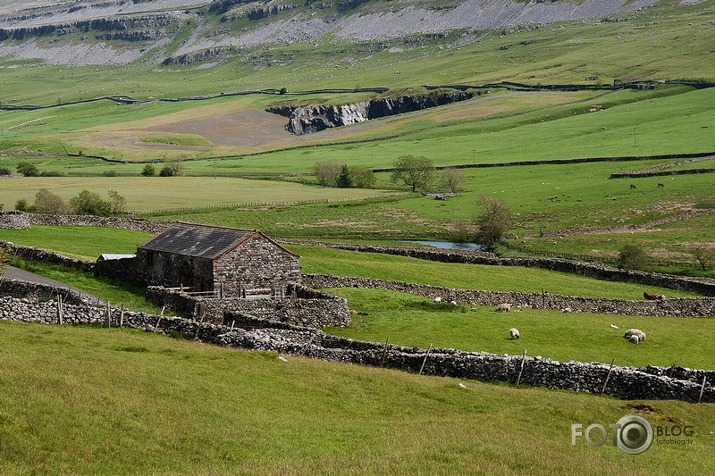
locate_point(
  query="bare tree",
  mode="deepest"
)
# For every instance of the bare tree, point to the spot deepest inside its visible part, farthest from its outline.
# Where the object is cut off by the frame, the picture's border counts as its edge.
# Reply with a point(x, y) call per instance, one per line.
point(117, 202)
point(452, 179)
point(704, 255)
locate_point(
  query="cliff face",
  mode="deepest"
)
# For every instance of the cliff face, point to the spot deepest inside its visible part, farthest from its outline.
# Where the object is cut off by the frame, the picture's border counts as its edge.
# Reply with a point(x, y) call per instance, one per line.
point(309, 119)
point(185, 31)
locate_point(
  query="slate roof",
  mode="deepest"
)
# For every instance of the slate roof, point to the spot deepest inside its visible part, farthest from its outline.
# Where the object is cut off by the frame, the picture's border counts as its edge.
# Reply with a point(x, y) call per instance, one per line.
point(198, 240)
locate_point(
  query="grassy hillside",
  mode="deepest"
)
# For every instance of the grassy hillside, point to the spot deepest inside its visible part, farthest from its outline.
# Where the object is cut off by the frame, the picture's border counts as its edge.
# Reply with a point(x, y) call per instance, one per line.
point(89, 401)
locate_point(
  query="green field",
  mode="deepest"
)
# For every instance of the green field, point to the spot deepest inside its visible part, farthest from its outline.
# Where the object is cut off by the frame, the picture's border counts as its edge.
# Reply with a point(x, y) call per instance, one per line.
point(84, 400)
point(81, 400)
point(414, 321)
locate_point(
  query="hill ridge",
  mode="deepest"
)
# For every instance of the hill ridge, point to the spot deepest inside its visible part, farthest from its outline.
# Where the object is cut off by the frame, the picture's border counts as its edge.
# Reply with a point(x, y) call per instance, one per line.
point(157, 31)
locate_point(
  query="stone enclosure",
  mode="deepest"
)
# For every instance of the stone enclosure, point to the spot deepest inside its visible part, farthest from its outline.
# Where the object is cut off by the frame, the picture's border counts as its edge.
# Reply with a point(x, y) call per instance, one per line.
point(288, 322)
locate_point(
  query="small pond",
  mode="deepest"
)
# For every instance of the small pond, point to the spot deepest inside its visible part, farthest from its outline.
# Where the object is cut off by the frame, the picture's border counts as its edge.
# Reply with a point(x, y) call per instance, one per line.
point(448, 245)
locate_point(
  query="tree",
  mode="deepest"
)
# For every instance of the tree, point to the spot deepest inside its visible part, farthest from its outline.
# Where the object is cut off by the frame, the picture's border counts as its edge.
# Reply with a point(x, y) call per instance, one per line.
point(328, 172)
point(415, 172)
point(362, 177)
point(118, 204)
point(344, 180)
point(704, 255)
point(493, 222)
point(48, 203)
point(148, 170)
point(27, 169)
point(452, 179)
point(633, 256)
point(89, 203)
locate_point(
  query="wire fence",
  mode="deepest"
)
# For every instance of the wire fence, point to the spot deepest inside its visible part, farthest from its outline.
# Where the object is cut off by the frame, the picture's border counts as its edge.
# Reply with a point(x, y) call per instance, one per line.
point(258, 204)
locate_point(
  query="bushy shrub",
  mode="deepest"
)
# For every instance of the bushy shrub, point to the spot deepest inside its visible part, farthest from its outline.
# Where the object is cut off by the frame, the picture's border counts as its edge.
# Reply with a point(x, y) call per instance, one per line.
point(148, 170)
point(22, 205)
point(633, 256)
point(166, 171)
point(27, 169)
point(90, 203)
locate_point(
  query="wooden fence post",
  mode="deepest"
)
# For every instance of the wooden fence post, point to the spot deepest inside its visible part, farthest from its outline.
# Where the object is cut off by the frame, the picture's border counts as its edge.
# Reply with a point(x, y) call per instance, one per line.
point(523, 360)
point(384, 352)
point(702, 389)
point(608, 376)
point(424, 361)
point(121, 317)
point(59, 308)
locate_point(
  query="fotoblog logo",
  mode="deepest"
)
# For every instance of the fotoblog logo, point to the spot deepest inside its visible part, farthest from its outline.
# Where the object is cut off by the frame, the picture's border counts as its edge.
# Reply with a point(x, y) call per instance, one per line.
point(632, 434)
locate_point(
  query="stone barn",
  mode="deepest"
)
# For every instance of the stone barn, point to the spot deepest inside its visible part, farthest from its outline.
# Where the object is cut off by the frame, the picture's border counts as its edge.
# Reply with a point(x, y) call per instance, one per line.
point(227, 261)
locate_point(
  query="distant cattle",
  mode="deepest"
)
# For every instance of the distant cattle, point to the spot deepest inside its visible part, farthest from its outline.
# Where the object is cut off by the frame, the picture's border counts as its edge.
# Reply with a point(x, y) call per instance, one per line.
point(661, 184)
point(633, 186)
point(653, 297)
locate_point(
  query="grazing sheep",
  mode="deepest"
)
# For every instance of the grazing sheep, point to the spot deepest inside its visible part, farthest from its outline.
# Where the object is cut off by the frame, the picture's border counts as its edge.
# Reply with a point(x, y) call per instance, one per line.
point(513, 333)
point(634, 339)
point(566, 309)
point(503, 307)
point(640, 335)
point(438, 299)
point(453, 302)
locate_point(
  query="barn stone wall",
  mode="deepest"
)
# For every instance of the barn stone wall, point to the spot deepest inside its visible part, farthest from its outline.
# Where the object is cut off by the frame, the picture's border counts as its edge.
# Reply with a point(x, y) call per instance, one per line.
point(621, 382)
point(171, 270)
point(258, 263)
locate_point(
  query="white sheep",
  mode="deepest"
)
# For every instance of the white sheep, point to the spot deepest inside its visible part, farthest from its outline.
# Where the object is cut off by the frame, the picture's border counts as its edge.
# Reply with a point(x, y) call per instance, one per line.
point(513, 333)
point(438, 299)
point(634, 339)
point(454, 303)
point(640, 335)
point(503, 307)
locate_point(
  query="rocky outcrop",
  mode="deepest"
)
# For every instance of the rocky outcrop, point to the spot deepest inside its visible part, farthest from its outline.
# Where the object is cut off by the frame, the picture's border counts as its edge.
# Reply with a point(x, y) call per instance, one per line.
point(149, 24)
point(266, 12)
point(200, 56)
point(309, 119)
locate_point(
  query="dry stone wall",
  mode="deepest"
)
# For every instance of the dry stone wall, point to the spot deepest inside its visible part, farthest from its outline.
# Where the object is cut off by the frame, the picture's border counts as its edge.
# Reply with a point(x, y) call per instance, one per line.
point(300, 306)
point(621, 382)
point(20, 220)
point(680, 307)
point(703, 286)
